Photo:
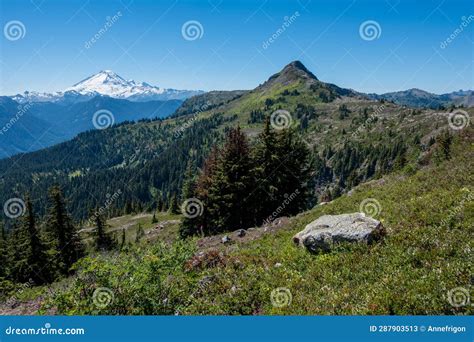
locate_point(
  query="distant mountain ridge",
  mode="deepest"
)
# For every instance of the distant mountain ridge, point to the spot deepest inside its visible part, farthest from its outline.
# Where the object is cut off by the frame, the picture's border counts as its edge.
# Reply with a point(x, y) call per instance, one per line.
point(107, 83)
point(30, 126)
point(422, 99)
point(51, 118)
point(352, 137)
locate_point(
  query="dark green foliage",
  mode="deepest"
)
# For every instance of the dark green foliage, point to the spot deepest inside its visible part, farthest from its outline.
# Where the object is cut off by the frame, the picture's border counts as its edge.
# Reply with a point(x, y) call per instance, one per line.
point(228, 196)
point(154, 219)
point(28, 253)
point(4, 260)
point(188, 192)
point(64, 239)
point(103, 240)
point(343, 112)
point(281, 170)
point(443, 150)
point(412, 272)
point(242, 186)
point(123, 240)
point(144, 156)
point(269, 103)
point(173, 206)
point(160, 204)
point(140, 233)
point(256, 116)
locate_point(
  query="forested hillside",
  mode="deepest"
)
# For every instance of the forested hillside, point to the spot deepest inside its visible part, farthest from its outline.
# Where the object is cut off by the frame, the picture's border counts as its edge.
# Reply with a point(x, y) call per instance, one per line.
point(229, 161)
point(351, 139)
point(428, 214)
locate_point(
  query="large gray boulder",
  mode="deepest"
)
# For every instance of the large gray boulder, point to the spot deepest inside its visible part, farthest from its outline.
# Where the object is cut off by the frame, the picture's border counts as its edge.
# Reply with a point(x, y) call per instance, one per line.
point(321, 234)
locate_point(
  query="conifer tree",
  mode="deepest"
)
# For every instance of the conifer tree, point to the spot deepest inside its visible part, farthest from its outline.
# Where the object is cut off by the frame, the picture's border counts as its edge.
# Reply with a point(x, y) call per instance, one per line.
point(231, 186)
point(174, 207)
point(189, 184)
point(154, 219)
point(4, 260)
point(140, 233)
point(444, 141)
point(159, 205)
point(123, 240)
point(103, 240)
point(30, 251)
point(266, 173)
point(189, 225)
point(295, 173)
point(65, 239)
point(201, 224)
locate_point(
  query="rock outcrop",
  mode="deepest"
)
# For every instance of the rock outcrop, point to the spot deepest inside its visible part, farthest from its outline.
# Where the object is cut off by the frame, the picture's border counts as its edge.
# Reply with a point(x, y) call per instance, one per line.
point(322, 234)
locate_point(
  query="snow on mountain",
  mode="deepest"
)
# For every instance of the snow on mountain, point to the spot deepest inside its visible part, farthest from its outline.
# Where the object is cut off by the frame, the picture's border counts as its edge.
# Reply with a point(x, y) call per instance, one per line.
point(108, 83)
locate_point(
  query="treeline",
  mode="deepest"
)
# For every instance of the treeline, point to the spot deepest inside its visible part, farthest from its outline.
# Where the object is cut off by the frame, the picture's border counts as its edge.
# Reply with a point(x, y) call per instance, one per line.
point(242, 185)
point(39, 252)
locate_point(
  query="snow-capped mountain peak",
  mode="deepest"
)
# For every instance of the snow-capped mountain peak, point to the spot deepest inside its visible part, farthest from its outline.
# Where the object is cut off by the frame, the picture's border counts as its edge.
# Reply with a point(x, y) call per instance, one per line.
point(108, 83)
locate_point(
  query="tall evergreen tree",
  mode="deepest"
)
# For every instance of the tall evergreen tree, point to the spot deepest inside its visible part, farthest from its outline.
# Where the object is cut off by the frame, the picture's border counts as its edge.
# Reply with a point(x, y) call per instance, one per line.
point(282, 173)
point(4, 260)
point(189, 184)
point(140, 233)
point(159, 205)
point(103, 240)
point(30, 256)
point(231, 186)
point(154, 220)
point(174, 207)
point(202, 224)
point(295, 173)
point(266, 172)
point(123, 240)
point(189, 224)
point(65, 238)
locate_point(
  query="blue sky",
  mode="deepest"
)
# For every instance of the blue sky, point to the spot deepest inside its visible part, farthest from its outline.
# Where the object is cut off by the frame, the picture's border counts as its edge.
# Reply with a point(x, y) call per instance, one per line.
point(146, 43)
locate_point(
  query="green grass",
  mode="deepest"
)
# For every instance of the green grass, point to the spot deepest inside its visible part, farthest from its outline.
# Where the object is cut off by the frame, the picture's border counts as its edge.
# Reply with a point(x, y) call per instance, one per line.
point(130, 223)
point(427, 252)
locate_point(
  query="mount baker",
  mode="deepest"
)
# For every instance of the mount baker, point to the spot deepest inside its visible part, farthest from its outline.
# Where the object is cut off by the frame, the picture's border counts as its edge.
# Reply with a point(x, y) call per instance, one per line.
point(108, 83)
